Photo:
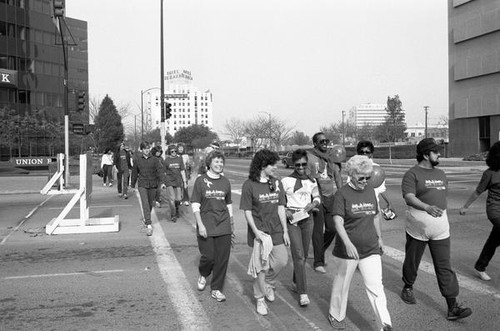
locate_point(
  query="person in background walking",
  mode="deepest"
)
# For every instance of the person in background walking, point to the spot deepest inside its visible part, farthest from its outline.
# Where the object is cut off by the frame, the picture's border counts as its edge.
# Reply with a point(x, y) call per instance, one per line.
point(358, 245)
point(263, 202)
point(323, 168)
point(148, 171)
point(213, 212)
point(107, 167)
point(187, 166)
point(489, 181)
point(424, 189)
point(175, 180)
point(123, 166)
point(302, 195)
point(156, 151)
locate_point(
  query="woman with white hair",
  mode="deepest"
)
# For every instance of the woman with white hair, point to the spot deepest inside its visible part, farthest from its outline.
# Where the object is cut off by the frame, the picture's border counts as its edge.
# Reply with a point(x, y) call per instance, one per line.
point(359, 245)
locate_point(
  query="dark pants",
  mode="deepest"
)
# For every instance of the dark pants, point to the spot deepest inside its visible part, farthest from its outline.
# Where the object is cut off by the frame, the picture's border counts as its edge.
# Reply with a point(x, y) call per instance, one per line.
point(489, 249)
point(300, 239)
point(440, 252)
point(147, 200)
point(122, 179)
point(323, 230)
point(214, 259)
point(107, 173)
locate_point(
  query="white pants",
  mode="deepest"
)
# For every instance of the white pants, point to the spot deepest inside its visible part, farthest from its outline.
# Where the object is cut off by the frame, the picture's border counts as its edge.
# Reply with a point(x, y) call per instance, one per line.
point(371, 271)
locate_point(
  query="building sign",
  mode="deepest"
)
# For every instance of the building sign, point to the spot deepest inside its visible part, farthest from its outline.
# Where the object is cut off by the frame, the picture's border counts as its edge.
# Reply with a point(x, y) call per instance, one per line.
point(176, 96)
point(32, 161)
point(175, 74)
point(8, 78)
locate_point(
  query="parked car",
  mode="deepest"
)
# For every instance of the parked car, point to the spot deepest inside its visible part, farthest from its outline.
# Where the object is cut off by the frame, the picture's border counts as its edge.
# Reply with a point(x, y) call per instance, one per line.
point(287, 160)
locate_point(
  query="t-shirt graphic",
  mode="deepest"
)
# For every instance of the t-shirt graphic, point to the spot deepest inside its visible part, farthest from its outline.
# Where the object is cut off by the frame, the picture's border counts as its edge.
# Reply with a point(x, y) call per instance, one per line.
point(435, 184)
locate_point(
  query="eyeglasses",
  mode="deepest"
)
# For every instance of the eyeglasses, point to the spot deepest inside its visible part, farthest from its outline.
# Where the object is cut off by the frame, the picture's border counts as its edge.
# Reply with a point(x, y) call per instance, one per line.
point(300, 165)
point(324, 141)
point(363, 178)
point(272, 186)
point(173, 151)
point(365, 152)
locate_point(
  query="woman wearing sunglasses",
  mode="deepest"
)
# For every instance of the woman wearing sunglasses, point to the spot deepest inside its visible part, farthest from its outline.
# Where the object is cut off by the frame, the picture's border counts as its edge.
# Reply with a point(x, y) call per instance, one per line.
point(263, 202)
point(302, 196)
point(359, 244)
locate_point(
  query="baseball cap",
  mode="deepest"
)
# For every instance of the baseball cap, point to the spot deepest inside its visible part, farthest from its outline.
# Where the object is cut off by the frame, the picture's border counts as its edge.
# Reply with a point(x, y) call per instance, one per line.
point(426, 145)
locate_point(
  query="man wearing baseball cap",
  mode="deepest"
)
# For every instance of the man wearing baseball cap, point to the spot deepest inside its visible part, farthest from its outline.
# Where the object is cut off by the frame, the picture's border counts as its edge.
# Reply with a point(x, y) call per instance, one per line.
point(424, 189)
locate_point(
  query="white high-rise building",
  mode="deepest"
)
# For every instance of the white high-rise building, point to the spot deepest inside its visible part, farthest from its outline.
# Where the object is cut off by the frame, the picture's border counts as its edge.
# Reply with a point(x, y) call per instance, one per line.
point(368, 114)
point(189, 104)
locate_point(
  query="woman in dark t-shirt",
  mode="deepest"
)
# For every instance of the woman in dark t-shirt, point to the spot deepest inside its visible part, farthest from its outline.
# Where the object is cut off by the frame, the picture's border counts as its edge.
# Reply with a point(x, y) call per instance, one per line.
point(489, 181)
point(358, 245)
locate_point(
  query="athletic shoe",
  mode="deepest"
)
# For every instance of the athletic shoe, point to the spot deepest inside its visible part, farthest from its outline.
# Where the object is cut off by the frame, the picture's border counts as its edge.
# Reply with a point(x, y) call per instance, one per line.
point(304, 300)
point(186, 203)
point(217, 295)
point(270, 293)
point(120, 195)
point(387, 327)
point(457, 312)
point(408, 296)
point(157, 204)
point(104, 184)
point(261, 307)
point(110, 184)
point(320, 269)
point(149, 230)
point(337, 325)
point(125, 196)
point(482, 274)
point(174, 219)
point(202, 282)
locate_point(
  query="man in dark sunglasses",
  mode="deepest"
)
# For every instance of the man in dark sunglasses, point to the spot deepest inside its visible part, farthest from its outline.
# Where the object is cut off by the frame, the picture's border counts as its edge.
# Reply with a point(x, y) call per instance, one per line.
point(323, 166)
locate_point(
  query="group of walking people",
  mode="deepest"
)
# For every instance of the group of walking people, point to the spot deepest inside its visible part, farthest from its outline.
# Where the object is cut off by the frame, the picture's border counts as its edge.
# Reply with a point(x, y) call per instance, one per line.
point(313, 204)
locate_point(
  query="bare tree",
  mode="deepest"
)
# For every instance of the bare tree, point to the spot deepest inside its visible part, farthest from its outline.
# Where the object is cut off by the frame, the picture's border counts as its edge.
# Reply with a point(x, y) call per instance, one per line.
point(235, 129)
point(279, 131)
point(255, 130)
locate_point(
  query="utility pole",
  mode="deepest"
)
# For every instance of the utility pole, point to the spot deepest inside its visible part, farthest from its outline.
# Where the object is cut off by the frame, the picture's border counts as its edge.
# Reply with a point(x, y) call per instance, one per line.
point(425, 132)
point(343, 128)
point(162, 85)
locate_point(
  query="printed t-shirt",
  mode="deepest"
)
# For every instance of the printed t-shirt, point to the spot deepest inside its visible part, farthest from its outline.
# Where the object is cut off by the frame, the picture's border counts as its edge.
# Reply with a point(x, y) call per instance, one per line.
point(358, 209)
point(429, 185)
point(213, 194)
point(173, 167)
point(491, 181)
point(263, 203)
point(301, 197)
point(123, 160)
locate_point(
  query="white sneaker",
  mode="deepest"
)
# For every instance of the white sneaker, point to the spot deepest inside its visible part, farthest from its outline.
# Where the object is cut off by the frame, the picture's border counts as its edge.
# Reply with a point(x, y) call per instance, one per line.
point(270, 293)
point(157, 204)
point(261, 307)
point(482, 274)
point(320, 269)
point(186, 203)
point(202, 282)
point(149, 230)
point(217, 295)
point(304, 300)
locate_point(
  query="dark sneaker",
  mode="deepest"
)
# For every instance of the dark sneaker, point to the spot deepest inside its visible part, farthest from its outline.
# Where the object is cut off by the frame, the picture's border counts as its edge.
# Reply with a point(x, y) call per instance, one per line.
point(458, 312)
point(337, 325)
point(125, 196)
point(408, 296)
point(387, 327)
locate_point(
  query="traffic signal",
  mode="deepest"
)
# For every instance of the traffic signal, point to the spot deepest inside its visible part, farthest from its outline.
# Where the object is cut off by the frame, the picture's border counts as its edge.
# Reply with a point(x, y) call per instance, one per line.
point(81, 101)
point(58, 8)
point(168, 110)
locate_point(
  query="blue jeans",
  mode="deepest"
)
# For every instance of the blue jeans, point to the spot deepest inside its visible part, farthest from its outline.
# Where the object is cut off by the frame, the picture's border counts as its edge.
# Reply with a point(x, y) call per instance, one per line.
point(300, 238)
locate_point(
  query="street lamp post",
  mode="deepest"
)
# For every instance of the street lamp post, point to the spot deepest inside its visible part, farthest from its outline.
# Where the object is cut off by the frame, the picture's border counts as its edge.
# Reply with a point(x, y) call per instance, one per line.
point(425, 108)
point(142, 109)
point(343, 128)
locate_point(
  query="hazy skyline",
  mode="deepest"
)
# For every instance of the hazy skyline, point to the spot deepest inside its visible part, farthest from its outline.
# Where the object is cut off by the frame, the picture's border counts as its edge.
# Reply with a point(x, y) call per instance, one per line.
point(303, 61)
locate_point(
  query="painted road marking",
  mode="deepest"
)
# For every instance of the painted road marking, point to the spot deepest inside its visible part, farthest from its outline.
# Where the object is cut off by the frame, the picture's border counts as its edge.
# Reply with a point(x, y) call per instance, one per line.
point(25, 218)
point(65, 274)
point(187, 307)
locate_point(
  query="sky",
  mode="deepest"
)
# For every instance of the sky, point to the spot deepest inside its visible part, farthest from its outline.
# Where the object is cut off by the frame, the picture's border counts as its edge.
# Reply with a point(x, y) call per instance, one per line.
point(302, 61)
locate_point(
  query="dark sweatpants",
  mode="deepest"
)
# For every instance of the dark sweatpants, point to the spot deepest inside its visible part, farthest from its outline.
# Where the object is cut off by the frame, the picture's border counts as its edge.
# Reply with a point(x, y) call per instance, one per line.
point(323, 230)
point(440, 252)
point(147, 200)
point(214, 259)
point(490, 246)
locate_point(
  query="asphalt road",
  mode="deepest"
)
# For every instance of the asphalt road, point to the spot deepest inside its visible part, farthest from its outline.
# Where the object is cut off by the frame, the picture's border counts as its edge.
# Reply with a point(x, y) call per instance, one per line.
point(127, 281)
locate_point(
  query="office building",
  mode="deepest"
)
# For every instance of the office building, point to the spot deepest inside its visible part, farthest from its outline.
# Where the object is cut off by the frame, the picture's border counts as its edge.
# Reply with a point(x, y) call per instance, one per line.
point(367, 114)
point(190, 105)
point(32, 69)
point(474, 79)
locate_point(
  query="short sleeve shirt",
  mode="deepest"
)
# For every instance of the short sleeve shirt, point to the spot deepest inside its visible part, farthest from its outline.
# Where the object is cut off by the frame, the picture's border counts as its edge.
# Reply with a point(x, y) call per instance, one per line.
point(429, 185)
point(358, 209)
point(491, 181)
point(263, 203)
point(213, 194)
point(173, 167)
